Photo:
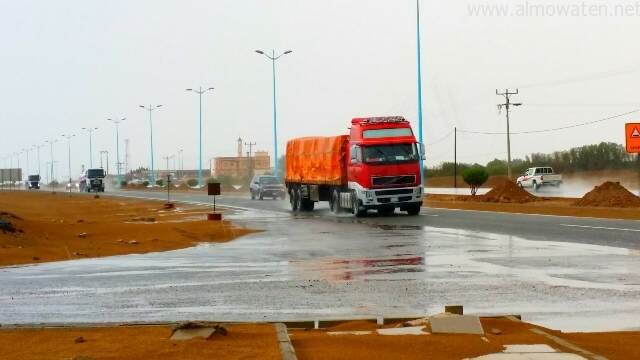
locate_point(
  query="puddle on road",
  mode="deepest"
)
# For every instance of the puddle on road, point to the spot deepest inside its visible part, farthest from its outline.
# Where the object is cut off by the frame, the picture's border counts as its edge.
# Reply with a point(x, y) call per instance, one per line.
point(356, 268)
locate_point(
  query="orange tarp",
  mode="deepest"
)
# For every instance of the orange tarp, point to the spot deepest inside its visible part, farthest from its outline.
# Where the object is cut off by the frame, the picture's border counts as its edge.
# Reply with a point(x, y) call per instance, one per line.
point(317, 160)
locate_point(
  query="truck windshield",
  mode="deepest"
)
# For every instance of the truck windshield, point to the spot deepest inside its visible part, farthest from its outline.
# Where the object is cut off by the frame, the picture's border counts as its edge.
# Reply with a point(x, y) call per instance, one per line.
point(34, 177)
point(385, 154)
point(95, 173)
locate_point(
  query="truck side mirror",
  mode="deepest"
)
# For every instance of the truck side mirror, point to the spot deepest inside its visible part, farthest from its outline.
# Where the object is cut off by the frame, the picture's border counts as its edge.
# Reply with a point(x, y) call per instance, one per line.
point(353, 161)
point(423, 156)
point(422, 150)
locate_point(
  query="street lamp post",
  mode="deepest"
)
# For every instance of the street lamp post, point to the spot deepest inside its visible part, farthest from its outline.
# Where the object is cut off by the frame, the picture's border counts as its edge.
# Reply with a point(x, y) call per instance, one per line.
point(150, 109)
point(38, 147)
point(27, 151)
point(117, 146)
point(419, 92)
point(107, 154)
point(90, 130)
point(200, 163)
point(181, 165)
point(273, 58)
point(69, 143)
point(52, 180)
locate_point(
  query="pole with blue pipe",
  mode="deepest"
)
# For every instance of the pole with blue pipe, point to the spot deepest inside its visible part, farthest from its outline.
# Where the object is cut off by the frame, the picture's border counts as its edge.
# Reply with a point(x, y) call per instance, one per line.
point(200, 91)
point(117, 146)
point(273, 58)
point(419, 91)
point(69, 144)
point(150, 108)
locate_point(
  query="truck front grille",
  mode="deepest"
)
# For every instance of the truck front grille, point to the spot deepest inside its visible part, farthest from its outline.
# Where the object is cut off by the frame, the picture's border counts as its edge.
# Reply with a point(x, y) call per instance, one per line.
point(393, 192)
point(392, 180)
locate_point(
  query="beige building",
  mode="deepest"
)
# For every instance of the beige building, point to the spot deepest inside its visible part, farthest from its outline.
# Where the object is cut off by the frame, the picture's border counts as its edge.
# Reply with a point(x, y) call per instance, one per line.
point(242, 165)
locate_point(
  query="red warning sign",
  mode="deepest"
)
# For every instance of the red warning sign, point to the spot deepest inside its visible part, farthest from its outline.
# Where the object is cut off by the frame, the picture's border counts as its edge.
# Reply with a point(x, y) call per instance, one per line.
point(632, 137)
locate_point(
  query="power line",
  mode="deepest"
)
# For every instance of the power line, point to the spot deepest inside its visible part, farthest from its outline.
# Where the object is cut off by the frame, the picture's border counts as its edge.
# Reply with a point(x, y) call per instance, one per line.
point(437, 141)
point(554, 129)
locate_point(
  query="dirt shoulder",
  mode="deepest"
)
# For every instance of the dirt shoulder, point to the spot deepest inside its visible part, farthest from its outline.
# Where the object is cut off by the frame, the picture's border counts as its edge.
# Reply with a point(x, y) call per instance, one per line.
point(321, 345)
point(542, 206)
point(141, 342)
point(253, 341)
point(59, 227)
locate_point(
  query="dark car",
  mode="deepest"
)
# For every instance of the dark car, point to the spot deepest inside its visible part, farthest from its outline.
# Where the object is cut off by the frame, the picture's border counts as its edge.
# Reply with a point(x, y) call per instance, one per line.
point(267, 186)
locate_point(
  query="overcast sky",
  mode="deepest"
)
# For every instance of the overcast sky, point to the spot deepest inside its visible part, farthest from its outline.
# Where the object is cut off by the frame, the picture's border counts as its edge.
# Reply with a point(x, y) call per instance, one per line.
point(72, 64)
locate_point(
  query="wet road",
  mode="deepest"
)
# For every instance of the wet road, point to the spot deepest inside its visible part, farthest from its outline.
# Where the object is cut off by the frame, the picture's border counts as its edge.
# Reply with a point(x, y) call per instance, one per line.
point(323, 266)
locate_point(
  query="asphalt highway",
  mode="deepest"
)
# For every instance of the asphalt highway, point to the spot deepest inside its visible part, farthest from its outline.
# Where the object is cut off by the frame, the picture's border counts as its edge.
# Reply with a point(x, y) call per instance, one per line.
point(572, 274)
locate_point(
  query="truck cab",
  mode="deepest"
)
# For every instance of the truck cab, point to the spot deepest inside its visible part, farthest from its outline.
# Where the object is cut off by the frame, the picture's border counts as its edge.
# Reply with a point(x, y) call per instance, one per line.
point(33, 182)
point(384, 164)
point(92, 179)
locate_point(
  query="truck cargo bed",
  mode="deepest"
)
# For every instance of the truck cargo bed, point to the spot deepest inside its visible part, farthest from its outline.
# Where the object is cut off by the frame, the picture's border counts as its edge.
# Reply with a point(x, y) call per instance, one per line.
point(317, 160)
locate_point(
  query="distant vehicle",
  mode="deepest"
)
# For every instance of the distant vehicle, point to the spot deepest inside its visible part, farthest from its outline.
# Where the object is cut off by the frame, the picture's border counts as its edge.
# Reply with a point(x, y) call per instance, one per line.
point(33, 182)
point(92, 179)
point(72, 185)
point(536, 177)
point(267, 186)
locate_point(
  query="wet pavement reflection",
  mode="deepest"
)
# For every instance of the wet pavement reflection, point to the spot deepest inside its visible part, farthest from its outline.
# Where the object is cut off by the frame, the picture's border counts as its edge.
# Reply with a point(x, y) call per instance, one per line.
point(310, 267)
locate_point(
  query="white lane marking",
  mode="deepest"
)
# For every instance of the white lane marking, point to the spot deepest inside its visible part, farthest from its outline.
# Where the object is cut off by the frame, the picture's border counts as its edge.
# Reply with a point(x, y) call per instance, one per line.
point(517, 213)
point(434, 215)
point(600, 227)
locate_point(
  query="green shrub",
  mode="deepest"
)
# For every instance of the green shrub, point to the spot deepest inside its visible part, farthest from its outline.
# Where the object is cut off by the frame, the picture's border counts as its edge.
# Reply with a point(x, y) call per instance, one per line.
point(145, 183)
point(192, 182)
point(475, 176)
point(159, 182)
point(123, 183)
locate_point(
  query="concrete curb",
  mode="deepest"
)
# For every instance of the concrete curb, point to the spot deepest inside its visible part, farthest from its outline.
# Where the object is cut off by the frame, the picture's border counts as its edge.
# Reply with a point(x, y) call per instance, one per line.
point(561, 342)
point(286, 349)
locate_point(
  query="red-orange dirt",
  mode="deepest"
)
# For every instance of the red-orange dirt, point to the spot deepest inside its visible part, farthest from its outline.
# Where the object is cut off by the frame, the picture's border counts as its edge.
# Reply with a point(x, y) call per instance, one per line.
point(609, 194)
point(507, 192)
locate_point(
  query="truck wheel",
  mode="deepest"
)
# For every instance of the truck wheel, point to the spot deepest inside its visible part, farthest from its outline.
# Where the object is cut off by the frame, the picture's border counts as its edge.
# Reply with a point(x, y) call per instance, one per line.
point(414, 210)
point(535, 186)
point(253, 197)
point(299, 200)
point(261, 197)
point(520, 184)
point(292, 200)
point(355, 206)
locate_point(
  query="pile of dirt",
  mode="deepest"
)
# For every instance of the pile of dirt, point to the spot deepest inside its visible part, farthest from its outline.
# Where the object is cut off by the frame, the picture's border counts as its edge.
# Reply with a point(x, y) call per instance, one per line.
point(609, 194)
point(507, 192)
point(183, 186)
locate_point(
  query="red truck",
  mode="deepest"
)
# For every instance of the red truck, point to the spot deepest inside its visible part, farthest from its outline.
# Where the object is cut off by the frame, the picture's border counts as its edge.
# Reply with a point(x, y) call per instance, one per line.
point(376, 167)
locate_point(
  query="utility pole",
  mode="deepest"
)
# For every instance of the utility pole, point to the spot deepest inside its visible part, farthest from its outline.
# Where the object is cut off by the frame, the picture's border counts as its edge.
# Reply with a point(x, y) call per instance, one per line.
point(506, 95)
point(167, 158)
point(38, 147)
point(250, 169)
point(455, 157)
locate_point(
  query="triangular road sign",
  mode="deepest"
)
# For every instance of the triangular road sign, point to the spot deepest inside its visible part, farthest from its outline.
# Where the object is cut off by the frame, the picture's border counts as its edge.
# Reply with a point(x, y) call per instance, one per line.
point(635, 133)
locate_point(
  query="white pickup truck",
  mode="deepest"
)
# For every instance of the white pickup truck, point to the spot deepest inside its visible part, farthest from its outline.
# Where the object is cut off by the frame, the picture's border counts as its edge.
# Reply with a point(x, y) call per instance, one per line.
point(539, 176)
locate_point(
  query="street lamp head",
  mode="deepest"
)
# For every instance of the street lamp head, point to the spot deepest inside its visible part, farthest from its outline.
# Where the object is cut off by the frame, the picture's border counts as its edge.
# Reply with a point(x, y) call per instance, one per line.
point(158, 106)
point(288, 52)
point(142, 106)
point(189, 89)
point(210, 89)
point(260, 52)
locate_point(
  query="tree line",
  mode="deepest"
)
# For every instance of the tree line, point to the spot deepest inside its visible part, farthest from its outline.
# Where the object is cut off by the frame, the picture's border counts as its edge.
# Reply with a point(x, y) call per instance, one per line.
point(603, 156)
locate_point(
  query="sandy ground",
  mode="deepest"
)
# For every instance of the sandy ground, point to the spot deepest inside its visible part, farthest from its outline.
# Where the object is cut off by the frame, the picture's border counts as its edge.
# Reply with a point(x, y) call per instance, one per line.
point(49, 227)
point(318, 345)
point(543, 206)
point(143, 342)
point(253, 341)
